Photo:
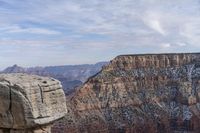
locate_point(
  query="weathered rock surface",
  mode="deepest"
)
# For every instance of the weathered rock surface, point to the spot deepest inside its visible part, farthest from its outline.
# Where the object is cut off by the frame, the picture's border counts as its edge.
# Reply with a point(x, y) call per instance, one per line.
point(154, 93)
point(29, 103)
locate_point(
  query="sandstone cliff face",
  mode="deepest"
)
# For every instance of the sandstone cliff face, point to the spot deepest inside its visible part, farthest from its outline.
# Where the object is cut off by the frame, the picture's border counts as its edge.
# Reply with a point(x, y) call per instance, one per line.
point(139, 94)
point(29, 103)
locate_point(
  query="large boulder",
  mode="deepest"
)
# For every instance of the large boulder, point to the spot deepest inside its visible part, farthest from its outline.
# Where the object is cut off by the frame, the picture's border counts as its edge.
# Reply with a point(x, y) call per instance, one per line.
point(30, 103)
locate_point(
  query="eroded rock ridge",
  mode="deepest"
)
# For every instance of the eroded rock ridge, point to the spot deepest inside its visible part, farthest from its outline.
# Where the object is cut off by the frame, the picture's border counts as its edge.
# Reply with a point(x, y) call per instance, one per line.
point(151, 93)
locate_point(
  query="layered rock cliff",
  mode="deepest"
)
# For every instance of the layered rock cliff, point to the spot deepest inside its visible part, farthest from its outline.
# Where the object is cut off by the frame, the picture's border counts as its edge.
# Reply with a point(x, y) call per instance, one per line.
point(152, 93)
point(29, 103)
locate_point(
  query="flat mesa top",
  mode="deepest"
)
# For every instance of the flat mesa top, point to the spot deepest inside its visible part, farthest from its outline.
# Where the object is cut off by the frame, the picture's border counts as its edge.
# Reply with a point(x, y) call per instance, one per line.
point(150, 54)
point(20, 78)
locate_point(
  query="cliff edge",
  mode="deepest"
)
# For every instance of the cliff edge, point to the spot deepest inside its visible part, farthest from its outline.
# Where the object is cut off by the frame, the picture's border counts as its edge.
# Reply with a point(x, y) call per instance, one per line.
point(151, 93)
point(29, 103)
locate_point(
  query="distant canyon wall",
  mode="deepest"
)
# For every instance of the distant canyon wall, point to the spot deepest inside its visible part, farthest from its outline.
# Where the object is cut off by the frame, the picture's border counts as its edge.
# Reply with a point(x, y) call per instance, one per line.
point(71, 76)
point(150, 93)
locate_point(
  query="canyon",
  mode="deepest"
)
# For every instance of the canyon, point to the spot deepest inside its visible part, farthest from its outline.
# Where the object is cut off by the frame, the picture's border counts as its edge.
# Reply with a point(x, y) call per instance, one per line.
point(147, 93)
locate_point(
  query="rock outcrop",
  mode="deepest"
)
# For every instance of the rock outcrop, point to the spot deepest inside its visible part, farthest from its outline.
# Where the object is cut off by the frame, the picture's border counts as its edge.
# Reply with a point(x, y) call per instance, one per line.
point(29, 103)
point(152, 93)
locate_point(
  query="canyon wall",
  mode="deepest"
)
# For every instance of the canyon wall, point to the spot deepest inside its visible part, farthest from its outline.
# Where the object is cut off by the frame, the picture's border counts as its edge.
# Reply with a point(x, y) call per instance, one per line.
point(30, 104)
point(150, 93)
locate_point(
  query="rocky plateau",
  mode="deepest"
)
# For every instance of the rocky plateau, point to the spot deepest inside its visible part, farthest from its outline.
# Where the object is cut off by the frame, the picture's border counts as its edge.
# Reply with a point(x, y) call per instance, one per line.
point(150, 93)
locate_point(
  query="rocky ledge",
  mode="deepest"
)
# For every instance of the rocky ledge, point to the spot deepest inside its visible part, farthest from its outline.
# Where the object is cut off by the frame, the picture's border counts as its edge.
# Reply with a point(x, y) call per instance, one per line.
point(152, 93)
point(29, 103)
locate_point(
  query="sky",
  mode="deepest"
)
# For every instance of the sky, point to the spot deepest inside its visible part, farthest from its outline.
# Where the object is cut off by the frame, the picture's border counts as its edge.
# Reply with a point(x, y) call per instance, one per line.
point(63, 32)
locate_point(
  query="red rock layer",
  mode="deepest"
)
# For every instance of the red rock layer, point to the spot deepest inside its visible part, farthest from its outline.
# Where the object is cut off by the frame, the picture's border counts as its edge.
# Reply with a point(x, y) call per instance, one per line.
point(154, 93)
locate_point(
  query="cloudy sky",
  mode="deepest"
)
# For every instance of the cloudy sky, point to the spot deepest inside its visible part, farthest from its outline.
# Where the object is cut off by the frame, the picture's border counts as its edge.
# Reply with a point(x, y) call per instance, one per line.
point(58, 32)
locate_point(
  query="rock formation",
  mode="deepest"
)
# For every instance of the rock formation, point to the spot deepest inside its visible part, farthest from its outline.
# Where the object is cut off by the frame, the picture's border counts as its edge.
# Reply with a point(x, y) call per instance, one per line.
point(152, 93)
point(29, 103)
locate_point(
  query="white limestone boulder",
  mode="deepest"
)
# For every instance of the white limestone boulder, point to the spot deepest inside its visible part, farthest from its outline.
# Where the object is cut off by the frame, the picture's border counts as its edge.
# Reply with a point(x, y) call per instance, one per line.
point(29, 101)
